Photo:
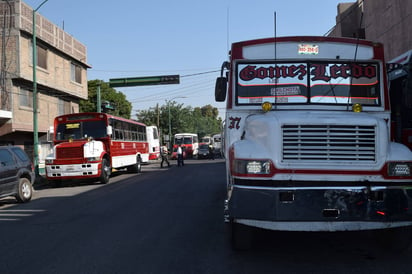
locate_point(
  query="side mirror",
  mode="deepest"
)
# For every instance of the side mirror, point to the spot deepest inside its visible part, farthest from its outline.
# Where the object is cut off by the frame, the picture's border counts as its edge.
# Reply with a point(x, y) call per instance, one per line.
point(109, 130)
point(220, 89)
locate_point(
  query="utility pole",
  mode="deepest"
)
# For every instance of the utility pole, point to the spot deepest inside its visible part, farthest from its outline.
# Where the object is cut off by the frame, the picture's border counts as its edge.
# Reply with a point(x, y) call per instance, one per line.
point(35, 125)
point(99, 100)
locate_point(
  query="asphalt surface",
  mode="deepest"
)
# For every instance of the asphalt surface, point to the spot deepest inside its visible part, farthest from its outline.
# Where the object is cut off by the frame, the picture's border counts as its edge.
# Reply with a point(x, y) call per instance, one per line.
point(166, 220)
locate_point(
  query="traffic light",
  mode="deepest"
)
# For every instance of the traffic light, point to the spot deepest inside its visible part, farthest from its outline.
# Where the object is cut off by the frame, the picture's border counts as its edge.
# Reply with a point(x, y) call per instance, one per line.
point(106, 106)
point(145, 81)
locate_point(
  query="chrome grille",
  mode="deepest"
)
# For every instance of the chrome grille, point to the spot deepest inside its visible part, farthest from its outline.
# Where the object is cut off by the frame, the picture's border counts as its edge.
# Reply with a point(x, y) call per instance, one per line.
point(328, 143)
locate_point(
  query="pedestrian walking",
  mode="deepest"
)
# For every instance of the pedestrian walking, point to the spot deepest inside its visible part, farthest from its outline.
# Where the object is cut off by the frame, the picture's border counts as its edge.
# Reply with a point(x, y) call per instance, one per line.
point(164, 155)
point(179, 152)
point(211, 153)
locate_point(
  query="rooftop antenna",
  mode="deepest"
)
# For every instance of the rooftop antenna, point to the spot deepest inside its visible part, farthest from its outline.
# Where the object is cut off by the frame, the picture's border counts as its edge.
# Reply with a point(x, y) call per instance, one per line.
point(227, 29)
point(274, 32)
point(275, 55)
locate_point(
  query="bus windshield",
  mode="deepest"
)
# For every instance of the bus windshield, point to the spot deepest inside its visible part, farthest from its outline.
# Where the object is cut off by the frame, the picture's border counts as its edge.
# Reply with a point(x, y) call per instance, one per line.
point(81, 130)
point(308, 83)
point(184, 141)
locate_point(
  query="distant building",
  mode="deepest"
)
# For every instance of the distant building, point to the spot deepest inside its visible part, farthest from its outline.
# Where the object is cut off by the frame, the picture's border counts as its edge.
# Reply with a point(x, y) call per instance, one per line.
point(61, 75)
point(387, 22)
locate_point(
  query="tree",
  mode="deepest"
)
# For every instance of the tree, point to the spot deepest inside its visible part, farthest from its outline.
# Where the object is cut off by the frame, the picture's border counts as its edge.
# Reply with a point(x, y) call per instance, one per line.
point(123, 107)
point(201, 120)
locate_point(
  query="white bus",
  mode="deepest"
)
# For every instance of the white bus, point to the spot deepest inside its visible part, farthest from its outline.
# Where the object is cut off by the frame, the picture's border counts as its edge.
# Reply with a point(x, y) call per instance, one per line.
point(189, 142)
point(217, 144)
point(152, 134)
point(309, 142)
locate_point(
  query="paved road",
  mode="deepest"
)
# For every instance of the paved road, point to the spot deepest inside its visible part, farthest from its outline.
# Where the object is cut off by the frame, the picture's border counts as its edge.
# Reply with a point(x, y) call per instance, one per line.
point(165, 221)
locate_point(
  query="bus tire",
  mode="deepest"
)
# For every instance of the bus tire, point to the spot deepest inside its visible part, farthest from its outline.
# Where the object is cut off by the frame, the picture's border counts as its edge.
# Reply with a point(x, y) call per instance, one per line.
point(242, 236)
point(105, 171)
point(137, 167)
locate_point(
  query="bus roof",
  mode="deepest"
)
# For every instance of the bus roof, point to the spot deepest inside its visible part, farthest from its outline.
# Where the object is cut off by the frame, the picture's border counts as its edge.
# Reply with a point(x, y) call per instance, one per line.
point(403, 59)
point(398, 64)
point(185, 134)
point(239, 48)
point(94, 115)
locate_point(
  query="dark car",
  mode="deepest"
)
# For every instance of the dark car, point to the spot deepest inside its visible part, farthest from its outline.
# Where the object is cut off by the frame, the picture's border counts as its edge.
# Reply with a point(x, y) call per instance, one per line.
point(16, 174)
point(204, 152)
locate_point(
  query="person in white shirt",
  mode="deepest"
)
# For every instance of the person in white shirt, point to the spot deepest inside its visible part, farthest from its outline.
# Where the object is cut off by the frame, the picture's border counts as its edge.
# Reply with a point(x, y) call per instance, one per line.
point(163, 154)
point(180, 156)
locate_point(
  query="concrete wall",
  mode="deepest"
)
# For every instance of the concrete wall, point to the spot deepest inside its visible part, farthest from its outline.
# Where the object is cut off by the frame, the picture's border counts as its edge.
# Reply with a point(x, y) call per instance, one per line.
point(54, 83)
point(385, 21)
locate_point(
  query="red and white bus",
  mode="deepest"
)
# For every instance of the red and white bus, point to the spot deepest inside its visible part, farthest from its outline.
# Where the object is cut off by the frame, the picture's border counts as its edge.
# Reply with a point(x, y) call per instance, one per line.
point(308, 140)
point(89, 145)
point(152, 134)
point(189, 142)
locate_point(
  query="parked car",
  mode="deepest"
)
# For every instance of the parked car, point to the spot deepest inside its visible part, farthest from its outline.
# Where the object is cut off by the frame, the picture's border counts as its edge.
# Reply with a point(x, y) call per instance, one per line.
point(16, 174)
point(204, 152)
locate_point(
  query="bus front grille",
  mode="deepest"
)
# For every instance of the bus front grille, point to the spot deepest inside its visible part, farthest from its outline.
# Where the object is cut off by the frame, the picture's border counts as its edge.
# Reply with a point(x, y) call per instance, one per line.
point(69, 153)
point(322, 143)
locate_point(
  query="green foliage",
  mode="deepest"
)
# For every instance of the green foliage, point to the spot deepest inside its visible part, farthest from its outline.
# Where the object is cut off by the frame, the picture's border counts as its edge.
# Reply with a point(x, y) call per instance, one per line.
point(123, 107)
point(203, 121)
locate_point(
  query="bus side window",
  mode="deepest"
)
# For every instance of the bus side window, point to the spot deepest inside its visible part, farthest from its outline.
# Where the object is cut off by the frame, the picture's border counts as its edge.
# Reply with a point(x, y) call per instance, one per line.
point(126, 131)
point(134, 132)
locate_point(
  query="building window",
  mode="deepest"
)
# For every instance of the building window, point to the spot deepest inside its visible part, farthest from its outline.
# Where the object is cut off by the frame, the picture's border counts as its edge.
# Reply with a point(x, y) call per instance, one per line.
point(64, 107)
point(41, 56)
point(25, 98)
point(76, 73)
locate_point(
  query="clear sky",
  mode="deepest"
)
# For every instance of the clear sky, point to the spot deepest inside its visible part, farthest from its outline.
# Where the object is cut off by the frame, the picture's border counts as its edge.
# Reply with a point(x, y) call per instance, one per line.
point(134, 38)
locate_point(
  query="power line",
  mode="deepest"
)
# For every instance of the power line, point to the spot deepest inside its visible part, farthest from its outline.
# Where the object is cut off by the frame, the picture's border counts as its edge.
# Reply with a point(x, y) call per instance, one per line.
point(351, 10)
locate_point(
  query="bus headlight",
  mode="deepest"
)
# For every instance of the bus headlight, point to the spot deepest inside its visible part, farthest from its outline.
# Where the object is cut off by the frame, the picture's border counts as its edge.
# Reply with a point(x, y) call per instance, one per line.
point(48, 161)
point(399, 169)
point(252, 167)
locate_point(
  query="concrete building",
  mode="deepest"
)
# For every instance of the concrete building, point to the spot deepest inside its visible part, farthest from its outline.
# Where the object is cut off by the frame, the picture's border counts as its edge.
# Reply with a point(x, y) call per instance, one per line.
point(61, 75)
point(385, 21)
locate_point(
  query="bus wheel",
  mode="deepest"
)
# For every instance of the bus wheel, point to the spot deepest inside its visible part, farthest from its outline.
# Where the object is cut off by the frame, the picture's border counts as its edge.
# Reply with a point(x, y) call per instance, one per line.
point(105, 172)
point(242, 236)
point(137, 167)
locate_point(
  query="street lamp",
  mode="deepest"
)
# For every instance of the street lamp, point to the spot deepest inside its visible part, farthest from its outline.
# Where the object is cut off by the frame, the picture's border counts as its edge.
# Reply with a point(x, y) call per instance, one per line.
point(35, 126)
point(170, 124)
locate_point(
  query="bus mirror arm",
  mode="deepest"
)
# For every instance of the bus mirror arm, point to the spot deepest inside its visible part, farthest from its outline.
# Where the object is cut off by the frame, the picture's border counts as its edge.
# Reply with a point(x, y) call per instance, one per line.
point(225, 65)
point(221, 84)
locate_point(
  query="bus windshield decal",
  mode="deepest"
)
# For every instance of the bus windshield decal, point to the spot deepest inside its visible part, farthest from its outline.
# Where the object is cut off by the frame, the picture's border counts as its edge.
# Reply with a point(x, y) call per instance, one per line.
point(310, 83)
point(72, 126)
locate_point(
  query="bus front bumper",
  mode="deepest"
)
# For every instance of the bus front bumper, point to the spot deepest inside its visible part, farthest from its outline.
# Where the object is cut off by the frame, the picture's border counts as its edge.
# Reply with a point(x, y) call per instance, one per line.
point(351, 208)
point(72, 171)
